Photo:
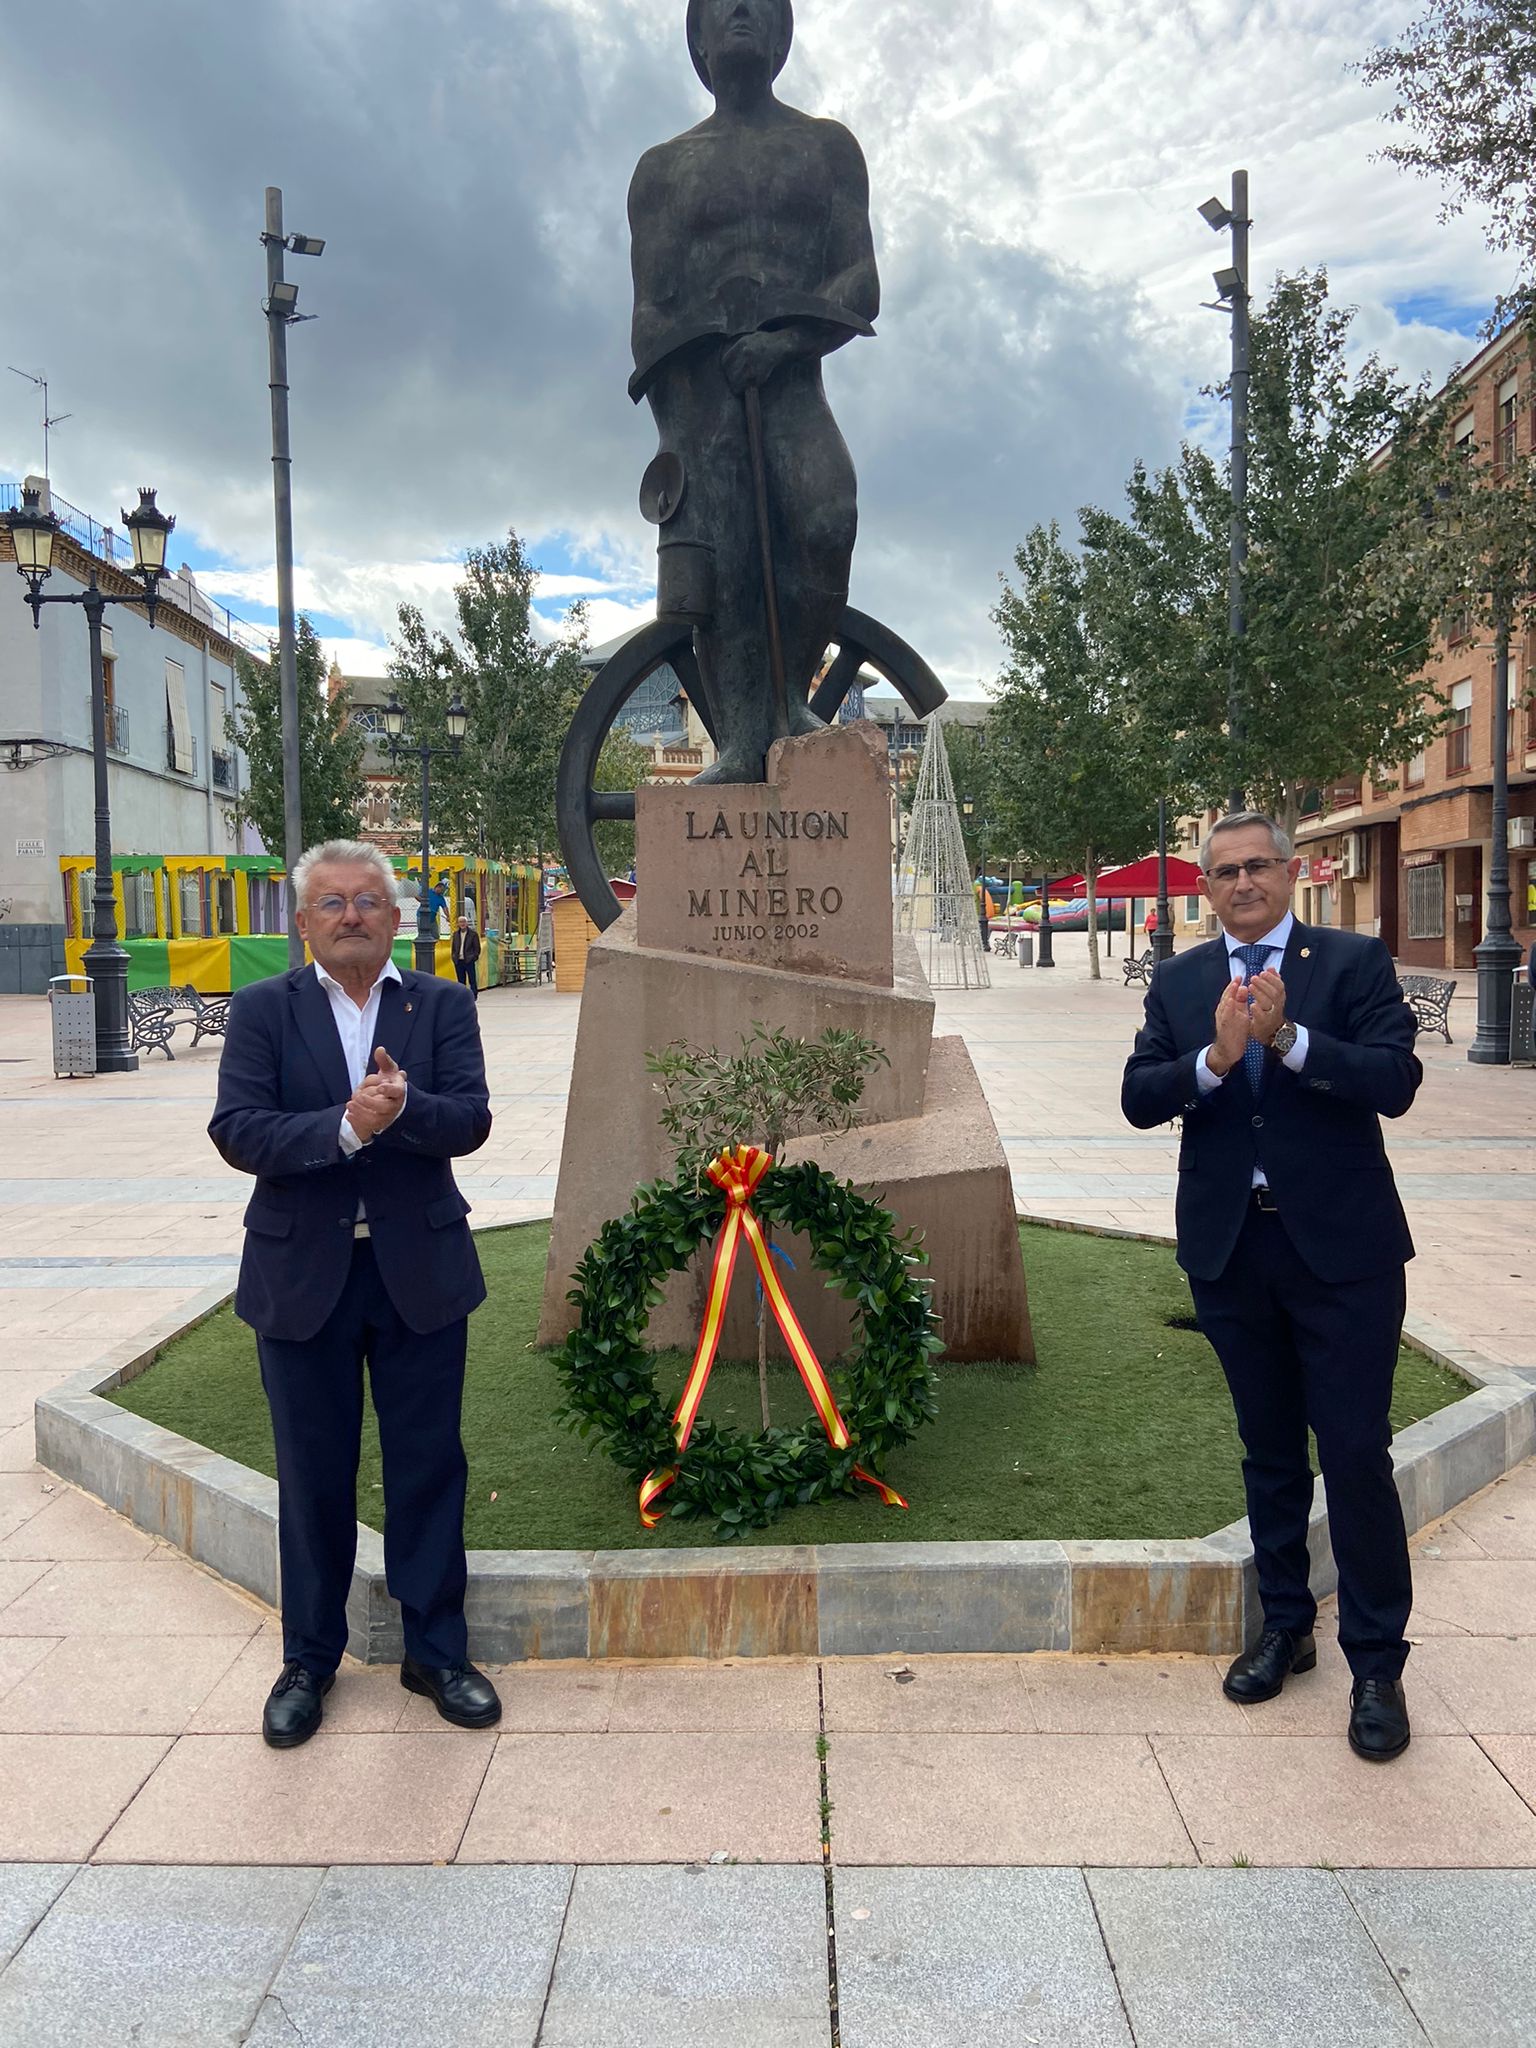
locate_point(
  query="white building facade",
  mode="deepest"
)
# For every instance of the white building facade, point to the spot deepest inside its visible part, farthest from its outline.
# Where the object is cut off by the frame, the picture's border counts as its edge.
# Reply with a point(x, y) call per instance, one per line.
point(173, 775)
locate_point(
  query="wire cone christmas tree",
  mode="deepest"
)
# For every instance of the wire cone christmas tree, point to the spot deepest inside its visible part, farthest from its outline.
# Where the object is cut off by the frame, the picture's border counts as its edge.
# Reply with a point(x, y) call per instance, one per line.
point(934, 899)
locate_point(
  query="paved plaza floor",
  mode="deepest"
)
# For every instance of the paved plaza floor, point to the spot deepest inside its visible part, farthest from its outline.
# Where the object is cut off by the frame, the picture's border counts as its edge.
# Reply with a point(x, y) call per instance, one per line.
point(1029, 1850)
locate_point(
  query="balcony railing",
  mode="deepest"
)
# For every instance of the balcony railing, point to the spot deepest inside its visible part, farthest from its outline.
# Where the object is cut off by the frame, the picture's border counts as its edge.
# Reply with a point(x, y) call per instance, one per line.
point(117, 727)
point(223, 770)
point(1458, 750)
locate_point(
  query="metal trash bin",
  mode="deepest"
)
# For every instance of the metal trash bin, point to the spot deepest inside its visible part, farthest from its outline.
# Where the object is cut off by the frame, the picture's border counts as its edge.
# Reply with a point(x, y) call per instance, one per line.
point(1026, 949)
point(1522, 1022)
point(72, 999)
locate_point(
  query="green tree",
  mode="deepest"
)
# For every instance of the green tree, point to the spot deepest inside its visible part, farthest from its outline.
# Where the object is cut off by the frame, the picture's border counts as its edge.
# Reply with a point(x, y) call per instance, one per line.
point(330, 750)
point(1462, 73)
point(519, 689)
point(1078, 765)
point(1331, 677)
point(622, 764)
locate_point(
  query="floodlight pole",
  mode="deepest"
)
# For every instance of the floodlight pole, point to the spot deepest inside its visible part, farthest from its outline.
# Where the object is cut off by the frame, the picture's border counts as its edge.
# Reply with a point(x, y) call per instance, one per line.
point(1237, 551)
point(282, 504)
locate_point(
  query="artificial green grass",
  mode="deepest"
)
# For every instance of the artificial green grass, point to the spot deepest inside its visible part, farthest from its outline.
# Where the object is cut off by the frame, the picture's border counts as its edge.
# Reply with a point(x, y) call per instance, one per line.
point(1123, 1430)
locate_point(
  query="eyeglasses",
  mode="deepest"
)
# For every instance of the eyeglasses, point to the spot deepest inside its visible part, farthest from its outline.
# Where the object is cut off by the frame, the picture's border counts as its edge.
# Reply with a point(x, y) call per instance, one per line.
point(365, 905)
point(1230, 870)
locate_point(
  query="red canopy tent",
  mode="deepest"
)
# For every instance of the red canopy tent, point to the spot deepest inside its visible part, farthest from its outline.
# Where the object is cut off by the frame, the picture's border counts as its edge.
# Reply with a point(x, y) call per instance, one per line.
point(1139, 878)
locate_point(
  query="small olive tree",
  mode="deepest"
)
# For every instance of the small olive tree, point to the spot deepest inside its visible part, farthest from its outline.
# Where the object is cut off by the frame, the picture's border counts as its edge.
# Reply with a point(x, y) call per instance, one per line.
point(777, 1087)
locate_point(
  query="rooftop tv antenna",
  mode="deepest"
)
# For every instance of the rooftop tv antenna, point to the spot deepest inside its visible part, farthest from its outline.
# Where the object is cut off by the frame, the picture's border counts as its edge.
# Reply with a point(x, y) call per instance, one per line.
point(49, 419)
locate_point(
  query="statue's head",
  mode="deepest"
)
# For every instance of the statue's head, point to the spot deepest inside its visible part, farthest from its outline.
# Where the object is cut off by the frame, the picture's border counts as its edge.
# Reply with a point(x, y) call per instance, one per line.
point(739, 31)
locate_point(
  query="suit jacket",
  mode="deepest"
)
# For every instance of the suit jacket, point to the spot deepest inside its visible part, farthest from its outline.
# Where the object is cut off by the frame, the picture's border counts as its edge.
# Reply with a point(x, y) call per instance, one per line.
point(465, 946)
point(1316, 1133)
point(283, 1085)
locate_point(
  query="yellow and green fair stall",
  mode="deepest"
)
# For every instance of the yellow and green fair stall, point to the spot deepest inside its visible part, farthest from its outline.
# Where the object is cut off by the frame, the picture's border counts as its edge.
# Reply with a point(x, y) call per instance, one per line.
point(215, 922)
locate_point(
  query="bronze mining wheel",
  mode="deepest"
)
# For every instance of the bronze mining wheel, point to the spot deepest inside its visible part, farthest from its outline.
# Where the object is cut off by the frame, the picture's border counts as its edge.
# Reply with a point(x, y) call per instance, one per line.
point(862, 642)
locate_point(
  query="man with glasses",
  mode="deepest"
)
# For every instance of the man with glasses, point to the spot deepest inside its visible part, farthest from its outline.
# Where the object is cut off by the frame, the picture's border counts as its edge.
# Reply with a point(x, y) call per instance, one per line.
point(1280, 1046)
point(346, 1087)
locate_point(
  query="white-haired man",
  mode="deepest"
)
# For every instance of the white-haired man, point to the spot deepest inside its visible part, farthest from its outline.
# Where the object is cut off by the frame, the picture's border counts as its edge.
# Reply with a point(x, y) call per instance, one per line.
point(1281, 1046)
point(346, 1087)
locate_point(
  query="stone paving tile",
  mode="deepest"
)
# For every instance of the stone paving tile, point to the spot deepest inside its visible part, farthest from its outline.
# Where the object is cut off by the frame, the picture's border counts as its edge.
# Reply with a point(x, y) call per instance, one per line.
point(391, 1958)
point(59, 1794)
point(1309, 1799)
point(365, 1700)
point(950, 1958)
point(1515, 1756)
point(536, 1699)
point(1478, 1597)
point(17, 1447)
point(21, 1654)
point(15, 1579)
point(1487, 1682)
point(117, 1685)
point(725, 1698)
point(71, 1527)
point(1127, 1695)
point(21, 1499)
point(153, 1956)
point(27, 1890)
point(19, 1392)
point(1461, 1946)
point(1009, 1799)
point(1502, 1521)
point(340, 1799)
point(926, 1695)
point(693, 1957)
point(1208, 1958)
point(1446, 1539)
point(647, 1799)
point(155, 1597)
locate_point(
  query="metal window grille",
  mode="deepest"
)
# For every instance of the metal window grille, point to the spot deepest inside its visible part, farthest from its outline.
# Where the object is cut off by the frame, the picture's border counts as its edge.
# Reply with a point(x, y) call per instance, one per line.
point(1426, 902)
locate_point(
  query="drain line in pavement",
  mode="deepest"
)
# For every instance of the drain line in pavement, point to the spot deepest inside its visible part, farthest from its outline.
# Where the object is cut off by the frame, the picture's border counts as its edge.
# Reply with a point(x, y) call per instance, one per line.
point(833, 2011)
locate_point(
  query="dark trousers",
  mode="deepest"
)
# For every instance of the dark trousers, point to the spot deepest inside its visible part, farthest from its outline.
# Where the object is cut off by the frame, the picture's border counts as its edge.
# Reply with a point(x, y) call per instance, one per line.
point(465, 970)
point(1298, 1351)
point(315, 1391)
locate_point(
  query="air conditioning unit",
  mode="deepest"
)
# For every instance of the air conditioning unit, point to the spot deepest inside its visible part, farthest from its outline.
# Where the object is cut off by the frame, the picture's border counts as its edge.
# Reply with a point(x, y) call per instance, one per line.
point(1522, 831)
point(1357, 859)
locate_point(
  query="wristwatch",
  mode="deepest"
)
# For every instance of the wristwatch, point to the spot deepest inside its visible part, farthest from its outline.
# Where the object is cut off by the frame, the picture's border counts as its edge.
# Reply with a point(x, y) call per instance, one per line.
point(1284, 1039)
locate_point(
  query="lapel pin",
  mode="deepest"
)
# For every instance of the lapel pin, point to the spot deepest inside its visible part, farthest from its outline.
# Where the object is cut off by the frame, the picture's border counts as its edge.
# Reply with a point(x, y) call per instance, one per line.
point(1306, 954)
point(408, 1009)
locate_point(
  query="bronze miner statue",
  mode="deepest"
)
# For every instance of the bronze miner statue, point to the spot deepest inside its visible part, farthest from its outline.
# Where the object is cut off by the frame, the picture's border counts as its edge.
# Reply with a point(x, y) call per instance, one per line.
point(752, 260)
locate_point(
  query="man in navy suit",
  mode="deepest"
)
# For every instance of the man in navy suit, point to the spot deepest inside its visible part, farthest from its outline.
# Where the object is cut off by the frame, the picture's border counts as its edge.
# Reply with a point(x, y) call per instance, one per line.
point(346, 1087)
point(1281, 1046)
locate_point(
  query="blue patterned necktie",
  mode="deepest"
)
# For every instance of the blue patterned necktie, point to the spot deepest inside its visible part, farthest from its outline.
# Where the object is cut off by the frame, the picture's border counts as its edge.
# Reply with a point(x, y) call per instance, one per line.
point(1253, 959)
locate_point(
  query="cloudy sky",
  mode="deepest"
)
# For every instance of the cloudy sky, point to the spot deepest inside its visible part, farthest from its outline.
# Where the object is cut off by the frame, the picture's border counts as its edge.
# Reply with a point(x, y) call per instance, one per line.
point(1034, 167)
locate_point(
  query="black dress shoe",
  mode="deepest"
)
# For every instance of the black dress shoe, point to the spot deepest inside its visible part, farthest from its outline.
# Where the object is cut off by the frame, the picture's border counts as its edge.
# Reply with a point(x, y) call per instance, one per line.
point(1378, 1719)
point(293, 1710)
point(461, 1694)
point(1260, 1672)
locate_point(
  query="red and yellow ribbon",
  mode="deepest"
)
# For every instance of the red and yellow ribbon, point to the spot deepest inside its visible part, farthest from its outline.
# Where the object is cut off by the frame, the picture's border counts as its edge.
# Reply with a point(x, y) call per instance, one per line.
point(737, 1175)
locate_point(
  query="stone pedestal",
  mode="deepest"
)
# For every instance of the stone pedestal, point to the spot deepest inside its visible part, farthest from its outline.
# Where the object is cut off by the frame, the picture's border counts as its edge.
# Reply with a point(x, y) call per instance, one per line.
point(770, 904)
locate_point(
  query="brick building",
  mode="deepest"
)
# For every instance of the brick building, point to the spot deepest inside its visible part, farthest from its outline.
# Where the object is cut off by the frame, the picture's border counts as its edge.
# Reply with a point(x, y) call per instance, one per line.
point(1403, 851)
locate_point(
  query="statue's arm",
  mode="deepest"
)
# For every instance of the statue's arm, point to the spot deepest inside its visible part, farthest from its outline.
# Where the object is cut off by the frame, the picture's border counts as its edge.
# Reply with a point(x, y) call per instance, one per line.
point(853, 279)
point(654, 331)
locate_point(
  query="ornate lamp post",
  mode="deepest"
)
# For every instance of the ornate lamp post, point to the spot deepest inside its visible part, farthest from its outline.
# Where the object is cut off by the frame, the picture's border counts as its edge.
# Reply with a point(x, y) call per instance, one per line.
point(32, 532)
point(1498, 952)
point(397, 742)
point(1162, 936)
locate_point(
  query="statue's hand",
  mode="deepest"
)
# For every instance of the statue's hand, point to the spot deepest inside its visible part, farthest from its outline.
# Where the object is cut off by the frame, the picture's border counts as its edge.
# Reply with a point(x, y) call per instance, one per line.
point(753, 359)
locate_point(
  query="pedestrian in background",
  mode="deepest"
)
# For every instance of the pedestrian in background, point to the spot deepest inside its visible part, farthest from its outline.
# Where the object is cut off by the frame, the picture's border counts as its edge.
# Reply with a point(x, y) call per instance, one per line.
point(466, 951)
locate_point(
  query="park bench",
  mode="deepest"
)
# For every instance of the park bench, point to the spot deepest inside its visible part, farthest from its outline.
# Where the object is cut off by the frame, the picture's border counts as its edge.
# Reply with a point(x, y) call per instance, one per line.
point(154, 1013)
point(1139, 968)
point(1429, 1000)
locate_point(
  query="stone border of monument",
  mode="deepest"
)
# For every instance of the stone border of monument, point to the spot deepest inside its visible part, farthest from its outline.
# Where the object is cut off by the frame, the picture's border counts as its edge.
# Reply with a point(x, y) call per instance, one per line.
point(850, 1599)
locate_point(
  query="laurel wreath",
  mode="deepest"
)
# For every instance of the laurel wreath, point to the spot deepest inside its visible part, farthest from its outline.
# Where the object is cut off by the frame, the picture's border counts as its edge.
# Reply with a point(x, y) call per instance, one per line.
point(885, 1384)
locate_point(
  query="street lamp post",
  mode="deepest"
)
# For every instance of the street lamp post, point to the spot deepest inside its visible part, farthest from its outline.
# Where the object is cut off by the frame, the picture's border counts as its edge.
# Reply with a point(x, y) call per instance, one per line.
point(1044, 957)
point(397, 743)
point(1233, 297)
point(1498, 952)
point(281, 309)
point(1162, 936)
point(32, 532)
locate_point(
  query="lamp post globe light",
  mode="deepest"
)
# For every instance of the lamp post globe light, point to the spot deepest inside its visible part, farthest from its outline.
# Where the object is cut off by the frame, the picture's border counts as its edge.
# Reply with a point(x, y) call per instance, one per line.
point(397, 741)
point(32, 532)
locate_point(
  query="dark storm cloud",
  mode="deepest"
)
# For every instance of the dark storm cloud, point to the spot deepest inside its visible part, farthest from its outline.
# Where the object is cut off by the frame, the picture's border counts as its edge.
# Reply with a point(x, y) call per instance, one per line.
point(467, 163)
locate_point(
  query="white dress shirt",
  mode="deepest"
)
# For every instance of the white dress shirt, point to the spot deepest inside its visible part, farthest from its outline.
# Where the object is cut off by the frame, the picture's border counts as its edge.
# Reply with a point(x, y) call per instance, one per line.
point(355, 1027)
point(1296, 1058)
